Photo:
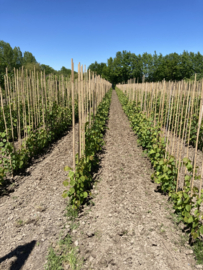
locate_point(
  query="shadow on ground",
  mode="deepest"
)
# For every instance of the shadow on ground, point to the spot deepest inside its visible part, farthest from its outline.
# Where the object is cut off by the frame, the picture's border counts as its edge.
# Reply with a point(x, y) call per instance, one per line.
point(22, 253)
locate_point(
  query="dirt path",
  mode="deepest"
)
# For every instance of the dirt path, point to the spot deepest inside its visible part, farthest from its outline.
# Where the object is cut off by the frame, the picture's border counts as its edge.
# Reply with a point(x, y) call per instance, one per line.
point(129, 226)
point(33, 215)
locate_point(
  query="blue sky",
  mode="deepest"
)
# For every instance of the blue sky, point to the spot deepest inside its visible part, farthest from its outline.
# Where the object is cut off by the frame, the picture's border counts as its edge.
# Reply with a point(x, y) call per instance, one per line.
point(55, 31)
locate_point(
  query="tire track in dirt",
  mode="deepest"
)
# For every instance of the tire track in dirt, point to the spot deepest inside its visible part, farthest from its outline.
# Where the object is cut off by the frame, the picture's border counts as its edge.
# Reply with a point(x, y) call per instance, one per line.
point(129, 226)
point(32, 217)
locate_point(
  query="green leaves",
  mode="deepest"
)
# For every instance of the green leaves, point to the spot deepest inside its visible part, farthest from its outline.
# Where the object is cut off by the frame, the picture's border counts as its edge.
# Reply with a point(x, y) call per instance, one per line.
point(65, 183)
point(57, 120)
point(201, 229)
point(65, 194)
point(81, 180)
point(188, 207)
point(165, 169)
point(67, 168)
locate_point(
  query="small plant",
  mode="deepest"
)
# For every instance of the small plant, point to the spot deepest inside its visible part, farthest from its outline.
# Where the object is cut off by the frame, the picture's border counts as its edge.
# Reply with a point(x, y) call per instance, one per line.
point(198, 251)
point(64, 254)
point(71, 213)
point(74, 226)
point(19, 223)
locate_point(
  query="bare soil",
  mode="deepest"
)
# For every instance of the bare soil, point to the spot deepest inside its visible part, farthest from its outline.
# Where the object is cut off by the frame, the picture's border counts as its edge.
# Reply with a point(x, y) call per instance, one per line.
point(126, 226)
point(33, 216)
point(129, 226)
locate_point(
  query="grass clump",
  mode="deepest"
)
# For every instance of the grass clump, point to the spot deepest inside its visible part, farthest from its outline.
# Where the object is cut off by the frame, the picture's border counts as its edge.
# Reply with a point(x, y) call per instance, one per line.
point(198, 251)
point(64, 254)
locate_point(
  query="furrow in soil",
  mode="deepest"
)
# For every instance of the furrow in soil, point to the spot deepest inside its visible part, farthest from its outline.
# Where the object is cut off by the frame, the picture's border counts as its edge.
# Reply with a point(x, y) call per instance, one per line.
point(128, 225)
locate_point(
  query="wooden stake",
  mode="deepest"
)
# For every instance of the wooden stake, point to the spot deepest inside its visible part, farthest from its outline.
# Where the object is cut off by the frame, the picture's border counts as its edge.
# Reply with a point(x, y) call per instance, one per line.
point(73, 111)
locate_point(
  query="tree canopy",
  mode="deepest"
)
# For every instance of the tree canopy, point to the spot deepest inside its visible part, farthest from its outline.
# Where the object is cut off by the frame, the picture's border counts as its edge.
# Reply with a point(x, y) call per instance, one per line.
point(11, 58)
point(126, 65)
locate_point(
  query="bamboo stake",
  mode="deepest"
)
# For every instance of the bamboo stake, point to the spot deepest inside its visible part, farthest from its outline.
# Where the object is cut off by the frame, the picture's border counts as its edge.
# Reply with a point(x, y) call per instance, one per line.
point(73, 111)
point(198, 129)
point(90, 111)
point(83, 112)
point(11, 118)
point(79, 115)
point(176, 120)
point(18, 122)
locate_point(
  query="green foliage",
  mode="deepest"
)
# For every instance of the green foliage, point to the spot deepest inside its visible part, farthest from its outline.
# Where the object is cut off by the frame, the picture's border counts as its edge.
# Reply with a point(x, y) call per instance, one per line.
point(97, 68)
point(65, 72)
point(198, 250)
point(48, 70)
point(32, 66)
point(80, 181)
point(126, 65)
point(13, 58)
point(28, 57)
point(57, 120)
point(165, 168)
point(65, 254)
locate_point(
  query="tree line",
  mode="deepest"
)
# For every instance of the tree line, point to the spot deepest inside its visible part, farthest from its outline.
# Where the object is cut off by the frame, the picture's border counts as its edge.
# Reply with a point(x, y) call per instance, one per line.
point(11, 58)
point(126, 65)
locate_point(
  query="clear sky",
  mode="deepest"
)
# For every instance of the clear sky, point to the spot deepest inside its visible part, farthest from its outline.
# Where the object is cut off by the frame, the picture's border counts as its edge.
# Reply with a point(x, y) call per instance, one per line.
point(55, 31)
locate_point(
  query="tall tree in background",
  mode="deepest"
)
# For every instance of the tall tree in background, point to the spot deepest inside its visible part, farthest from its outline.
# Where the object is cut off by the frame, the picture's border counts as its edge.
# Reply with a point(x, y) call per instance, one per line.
point(9, 58)
point(97, 68)
point(28, 57)
point(48, 70)
point(13, 58)
point(174, 67)
point(65, 71)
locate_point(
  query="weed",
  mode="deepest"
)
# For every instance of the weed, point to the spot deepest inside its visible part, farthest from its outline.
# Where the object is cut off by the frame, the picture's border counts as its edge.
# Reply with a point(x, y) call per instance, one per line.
point(71, 213)
point(74, 226)
point(184, 239)
point(92, 203)
point(54, 261)
point(19, 223)
point(65, 254)
point(198, 251)
point(98, 234)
